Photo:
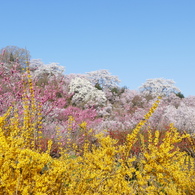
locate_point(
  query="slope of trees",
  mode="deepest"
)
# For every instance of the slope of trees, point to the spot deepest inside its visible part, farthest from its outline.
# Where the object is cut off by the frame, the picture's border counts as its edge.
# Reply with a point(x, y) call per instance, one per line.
point(83, 134)
point(97, 92)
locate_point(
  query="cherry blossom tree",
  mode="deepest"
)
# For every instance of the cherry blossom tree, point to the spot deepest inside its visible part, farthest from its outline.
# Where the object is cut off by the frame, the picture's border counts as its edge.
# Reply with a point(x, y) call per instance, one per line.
point(103, 79)
point(85, 94)
point(159, 87)
point(39, 69)
point(182, 117)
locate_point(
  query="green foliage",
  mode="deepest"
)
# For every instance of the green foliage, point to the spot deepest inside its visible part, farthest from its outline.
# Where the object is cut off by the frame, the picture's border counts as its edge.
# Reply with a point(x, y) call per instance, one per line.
point(118, 91)
point(12, 58)
point(180, 95)
point(98, 86)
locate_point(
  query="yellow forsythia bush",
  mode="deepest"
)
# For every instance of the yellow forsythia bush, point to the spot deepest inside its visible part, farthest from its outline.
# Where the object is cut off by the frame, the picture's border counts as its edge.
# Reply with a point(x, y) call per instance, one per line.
point(104, 169)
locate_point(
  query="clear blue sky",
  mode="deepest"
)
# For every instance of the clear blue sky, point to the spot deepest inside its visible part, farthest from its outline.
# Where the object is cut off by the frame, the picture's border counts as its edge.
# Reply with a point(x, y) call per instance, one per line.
point(133, 39)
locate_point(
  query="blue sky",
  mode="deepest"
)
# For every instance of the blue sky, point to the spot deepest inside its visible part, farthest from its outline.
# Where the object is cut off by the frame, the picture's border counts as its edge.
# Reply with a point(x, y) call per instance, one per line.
point(133, 39)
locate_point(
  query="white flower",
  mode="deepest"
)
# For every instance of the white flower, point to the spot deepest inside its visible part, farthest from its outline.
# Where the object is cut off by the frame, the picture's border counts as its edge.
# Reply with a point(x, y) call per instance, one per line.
point(183, 117)
point(103, 78)
point(85, 93)
point(159, 87)
point(39, 68)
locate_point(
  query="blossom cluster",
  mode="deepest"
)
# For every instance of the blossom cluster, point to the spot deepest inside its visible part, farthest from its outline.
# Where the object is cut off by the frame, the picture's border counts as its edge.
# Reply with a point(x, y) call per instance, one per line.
point(39, 68)
point(103, 78)
point(85, 94)
point(159, 87)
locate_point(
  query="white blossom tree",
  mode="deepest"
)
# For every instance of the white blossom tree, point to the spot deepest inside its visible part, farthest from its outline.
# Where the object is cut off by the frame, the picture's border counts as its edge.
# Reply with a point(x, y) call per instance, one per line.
point(182, 117)
point(85, 94)
point(35, 64)
point(103, 78)
point(159, 87)
point(40, 69)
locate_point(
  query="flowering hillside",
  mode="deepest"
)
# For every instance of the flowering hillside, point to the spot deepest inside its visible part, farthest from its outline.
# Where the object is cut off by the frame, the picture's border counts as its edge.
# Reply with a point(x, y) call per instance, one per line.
point(83, 134)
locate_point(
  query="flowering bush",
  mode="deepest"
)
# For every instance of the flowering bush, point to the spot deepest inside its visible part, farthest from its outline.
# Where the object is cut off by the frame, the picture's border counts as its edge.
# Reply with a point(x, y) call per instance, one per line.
point(85, 94)
point(104, 167)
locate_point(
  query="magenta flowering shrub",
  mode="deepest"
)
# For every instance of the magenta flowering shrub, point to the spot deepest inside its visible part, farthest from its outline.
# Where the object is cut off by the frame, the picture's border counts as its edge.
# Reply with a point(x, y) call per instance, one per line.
point(51, 93)
point(88, 115)
point(10, 89)
point(70, 120)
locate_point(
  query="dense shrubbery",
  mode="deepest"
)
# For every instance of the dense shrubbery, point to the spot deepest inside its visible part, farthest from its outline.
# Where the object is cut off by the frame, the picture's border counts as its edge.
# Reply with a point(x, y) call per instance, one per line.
point(58, 137)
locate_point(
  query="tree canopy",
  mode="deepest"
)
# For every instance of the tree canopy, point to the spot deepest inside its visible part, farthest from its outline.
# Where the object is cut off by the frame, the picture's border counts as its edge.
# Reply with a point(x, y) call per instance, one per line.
point(13, 53)
point(159, 87)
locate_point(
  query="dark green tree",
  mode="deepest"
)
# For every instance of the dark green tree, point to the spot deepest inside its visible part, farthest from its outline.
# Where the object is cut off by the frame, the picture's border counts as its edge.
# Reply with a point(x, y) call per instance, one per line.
point(97, 85)
point(11, 58)
point(180, 95)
